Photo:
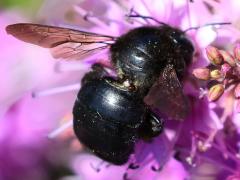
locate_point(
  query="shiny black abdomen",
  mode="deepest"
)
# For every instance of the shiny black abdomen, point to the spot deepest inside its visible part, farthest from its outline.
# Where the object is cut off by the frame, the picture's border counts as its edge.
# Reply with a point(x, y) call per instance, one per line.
point(106, 119)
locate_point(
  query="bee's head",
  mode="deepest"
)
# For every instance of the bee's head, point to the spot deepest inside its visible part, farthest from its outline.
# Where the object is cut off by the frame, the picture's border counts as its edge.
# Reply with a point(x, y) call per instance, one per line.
point(142, 53)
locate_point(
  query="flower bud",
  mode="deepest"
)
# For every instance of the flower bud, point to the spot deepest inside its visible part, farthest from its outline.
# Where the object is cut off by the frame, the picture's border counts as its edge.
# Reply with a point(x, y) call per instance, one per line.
point(237, 52)
point(227, 57)
point(214, 55)
point(202, 73)
point(216, 74)
point(215, 92)
point(237, 91)
point(226, 68)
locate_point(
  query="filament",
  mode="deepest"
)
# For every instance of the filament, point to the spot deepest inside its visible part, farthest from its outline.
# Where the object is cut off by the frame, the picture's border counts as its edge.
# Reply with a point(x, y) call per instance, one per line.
point(56, 90)
point(209, 24)
point(66, 67)
point(92, 19)
point(60, 129)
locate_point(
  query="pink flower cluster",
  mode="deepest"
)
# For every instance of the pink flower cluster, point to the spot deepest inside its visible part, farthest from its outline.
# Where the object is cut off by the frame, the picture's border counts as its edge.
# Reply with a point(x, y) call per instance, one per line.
point(224, 71)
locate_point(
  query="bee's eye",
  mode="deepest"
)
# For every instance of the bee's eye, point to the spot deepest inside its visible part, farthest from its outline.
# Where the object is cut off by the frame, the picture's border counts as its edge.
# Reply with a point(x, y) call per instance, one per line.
point(181, 41)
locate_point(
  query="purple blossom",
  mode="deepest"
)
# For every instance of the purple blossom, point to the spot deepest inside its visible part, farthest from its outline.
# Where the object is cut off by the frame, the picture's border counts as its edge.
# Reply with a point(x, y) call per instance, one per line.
point(26, 152)
point(205, 145)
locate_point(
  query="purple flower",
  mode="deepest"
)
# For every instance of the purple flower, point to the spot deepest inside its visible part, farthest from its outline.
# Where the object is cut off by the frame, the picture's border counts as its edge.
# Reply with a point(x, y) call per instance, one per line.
point(26, 152)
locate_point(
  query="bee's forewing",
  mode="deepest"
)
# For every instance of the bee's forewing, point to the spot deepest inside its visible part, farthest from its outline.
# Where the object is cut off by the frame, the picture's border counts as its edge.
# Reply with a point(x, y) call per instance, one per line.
point(64, 42)
point(166, 95)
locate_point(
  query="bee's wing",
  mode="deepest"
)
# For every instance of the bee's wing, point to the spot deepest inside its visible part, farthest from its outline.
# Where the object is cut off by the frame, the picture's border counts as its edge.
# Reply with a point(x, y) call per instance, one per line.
point(166, 96)
point(63, 42)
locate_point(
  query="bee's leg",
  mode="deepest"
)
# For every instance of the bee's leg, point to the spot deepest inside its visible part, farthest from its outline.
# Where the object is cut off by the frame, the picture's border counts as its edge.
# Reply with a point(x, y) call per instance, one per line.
point(151, 127)
point(98, 71)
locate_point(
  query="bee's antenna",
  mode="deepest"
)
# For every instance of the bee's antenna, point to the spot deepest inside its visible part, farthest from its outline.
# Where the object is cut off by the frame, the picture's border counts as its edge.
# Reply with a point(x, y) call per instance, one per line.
point(146, 17)
point(137, 15)
point(209, 24)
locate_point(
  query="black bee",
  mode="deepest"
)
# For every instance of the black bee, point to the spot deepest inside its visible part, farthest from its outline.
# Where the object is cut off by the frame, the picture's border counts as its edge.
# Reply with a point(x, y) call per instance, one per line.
point(112, 113)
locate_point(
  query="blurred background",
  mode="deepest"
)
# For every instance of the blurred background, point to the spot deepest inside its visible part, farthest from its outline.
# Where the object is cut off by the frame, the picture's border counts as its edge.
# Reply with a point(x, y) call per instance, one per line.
point(36, 98)
point(26, 152)
point(26, 7)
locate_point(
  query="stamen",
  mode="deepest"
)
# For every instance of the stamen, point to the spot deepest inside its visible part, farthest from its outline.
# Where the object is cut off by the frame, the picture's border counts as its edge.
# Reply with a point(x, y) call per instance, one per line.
point(97, 168)
point(218, 164)
point(133, 166)
point(189, 16)
point(125, 176)
point(190, 161)
point(134, 14)
point(73, 87)
point(66, 67)
point(60, 129)
point(191, 157)
point(204, 175)
point(215, 24)
point(204, 146)
point(146, 7)
point(202, 93)
point(225, 152)
point(177, 135)
point(238, 153)
point(212, 5)
point(92, 19)
point(156, 169)
point(215, 118)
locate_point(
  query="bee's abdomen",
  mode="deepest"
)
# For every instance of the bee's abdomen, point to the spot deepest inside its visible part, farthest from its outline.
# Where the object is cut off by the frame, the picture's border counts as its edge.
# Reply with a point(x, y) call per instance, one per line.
point(106, 120)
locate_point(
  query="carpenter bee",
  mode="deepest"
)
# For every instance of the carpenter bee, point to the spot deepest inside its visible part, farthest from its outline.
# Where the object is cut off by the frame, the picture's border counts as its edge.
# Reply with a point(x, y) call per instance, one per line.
point(112, 113)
